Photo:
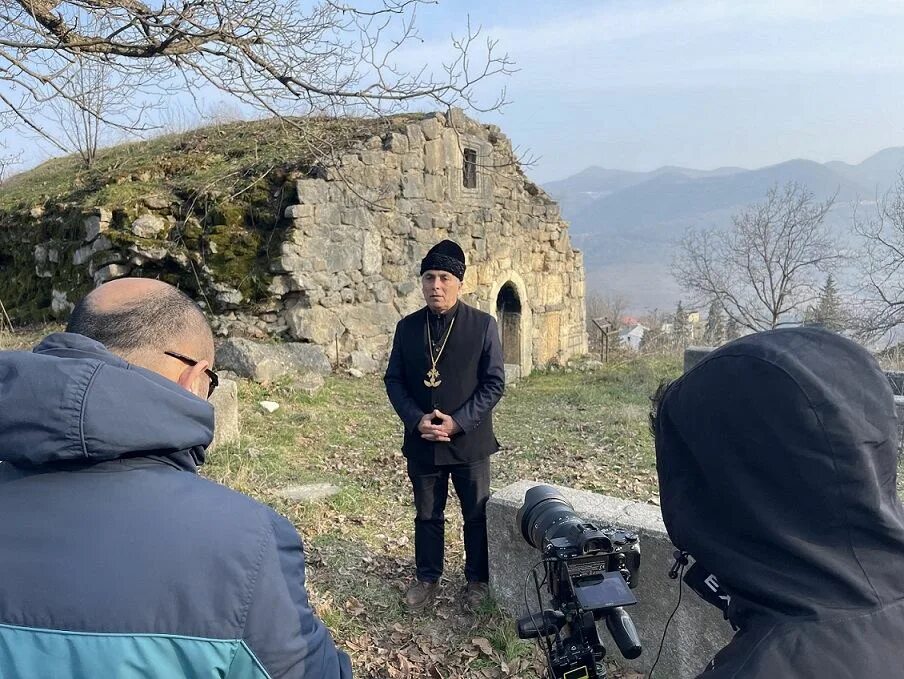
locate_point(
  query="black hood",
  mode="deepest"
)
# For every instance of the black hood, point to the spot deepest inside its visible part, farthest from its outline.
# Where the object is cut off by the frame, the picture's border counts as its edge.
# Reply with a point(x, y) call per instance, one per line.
point(777, 463)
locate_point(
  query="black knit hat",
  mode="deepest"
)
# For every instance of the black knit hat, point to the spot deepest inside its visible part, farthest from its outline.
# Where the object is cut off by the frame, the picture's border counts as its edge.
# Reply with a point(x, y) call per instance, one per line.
point(446, 255)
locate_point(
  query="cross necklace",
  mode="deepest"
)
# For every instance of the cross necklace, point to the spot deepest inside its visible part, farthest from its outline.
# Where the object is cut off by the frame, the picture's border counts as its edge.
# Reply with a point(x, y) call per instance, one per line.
point(433, 380)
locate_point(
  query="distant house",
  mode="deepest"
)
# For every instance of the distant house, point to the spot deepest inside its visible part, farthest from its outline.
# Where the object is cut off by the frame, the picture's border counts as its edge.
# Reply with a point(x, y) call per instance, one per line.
point(632, 337)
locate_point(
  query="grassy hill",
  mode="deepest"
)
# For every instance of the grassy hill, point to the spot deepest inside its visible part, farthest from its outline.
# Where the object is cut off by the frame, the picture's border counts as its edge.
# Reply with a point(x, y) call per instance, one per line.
point(224, 187)
point(581, 429)
point(225, 163)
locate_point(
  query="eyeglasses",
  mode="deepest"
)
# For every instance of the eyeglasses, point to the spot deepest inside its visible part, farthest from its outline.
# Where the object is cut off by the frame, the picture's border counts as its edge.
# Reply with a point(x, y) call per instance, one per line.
point(211, 375)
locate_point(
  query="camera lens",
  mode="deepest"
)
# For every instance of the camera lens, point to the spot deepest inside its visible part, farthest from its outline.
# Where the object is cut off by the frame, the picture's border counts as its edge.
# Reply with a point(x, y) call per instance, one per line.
point(544, 507)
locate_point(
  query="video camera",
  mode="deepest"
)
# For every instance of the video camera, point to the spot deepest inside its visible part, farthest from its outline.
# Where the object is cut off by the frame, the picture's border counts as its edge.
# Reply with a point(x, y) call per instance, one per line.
point(589, 572)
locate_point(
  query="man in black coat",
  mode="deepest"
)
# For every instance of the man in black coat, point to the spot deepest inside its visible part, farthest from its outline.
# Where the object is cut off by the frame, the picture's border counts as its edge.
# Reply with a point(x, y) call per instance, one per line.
point(777, 462)
point(444, 377)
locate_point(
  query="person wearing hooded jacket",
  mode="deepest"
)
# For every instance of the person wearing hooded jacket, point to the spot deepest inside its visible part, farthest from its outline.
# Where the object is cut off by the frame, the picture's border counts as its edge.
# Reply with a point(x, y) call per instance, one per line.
point(116, 558)
point(777, 457)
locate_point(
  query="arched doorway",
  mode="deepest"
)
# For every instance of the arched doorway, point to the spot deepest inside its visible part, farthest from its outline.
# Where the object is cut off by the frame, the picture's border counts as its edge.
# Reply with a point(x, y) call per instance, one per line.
point(508, 314)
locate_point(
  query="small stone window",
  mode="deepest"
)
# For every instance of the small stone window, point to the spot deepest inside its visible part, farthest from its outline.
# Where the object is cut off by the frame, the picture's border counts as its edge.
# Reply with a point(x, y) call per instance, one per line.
point(469, 176)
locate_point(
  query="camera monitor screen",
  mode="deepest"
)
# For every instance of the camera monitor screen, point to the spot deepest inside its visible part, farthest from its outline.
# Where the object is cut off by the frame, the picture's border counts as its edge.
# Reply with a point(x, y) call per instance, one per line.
point(604, 591)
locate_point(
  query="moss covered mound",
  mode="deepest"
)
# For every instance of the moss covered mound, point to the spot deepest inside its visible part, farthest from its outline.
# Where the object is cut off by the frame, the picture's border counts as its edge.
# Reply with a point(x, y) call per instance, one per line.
point(223, 190)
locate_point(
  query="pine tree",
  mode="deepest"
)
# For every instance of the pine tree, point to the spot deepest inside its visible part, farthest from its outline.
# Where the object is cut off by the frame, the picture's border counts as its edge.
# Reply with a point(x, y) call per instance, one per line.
point(828, 312)
point(714, 332)
point(732, 330)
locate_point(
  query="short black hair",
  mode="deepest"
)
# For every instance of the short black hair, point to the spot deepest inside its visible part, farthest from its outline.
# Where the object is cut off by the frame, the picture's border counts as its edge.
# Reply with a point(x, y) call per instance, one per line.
point(149, 322)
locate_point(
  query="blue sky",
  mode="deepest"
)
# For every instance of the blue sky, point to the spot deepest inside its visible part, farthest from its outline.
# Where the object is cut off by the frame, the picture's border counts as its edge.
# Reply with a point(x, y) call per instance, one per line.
point(636, 84)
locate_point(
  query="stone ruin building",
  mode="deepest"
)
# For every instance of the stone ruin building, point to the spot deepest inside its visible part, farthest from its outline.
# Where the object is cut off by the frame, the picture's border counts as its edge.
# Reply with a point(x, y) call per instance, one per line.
point(341, 264)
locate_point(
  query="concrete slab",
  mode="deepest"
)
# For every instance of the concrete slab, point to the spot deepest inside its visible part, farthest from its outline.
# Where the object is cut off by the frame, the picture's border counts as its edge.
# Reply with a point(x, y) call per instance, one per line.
point(225, 402)
point(697, 631)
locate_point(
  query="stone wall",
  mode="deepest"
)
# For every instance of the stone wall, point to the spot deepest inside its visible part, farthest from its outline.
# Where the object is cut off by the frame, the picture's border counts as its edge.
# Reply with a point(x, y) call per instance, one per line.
point(348, 269)
point(341, 266)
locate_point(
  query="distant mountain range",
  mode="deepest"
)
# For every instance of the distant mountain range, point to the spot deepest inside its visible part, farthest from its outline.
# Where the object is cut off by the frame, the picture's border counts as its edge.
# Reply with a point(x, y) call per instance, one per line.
point(627, 222)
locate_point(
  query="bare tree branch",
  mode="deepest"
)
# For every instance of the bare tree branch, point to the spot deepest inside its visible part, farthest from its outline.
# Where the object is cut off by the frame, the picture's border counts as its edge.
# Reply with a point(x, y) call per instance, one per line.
point(767, 266)
point(280, 56)
point(882, 259)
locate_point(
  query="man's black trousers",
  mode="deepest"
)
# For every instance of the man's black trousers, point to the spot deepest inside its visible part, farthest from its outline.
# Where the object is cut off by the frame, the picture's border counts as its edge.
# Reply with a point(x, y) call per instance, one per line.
point(431, 489)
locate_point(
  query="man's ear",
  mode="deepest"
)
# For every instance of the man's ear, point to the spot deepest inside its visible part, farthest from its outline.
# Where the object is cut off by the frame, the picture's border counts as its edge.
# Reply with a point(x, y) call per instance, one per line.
point(189, 377)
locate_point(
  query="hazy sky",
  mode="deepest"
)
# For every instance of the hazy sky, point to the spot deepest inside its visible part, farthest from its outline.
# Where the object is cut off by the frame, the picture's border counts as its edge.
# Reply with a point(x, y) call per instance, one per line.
point(636, 84)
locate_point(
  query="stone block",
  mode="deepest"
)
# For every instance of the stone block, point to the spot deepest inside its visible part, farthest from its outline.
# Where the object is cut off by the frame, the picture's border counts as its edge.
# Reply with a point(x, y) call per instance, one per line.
point(413, 185)
point(97, 223)
point(396, 142)
point(225, 402)
point(434, 188)
point(327, 214)
point(370, 320)
point(413, 161)
point(372, 157)
point(111, 271)
point(307, 383)
point(316, 324)
point(331, 300)
point(452, 152)
point(312, 191)
point(60, 305)
point(267, 362)
point(154, 253)
point(697, 631)
point(383, 291)
point(363, 362)
point(149, 226)
point(434, 157)
point(308, 493)
point(416, 137)
point(86, 252)
point(358, 217)
point(299, 211)
point(372, 253)
point(432, 128)
point(456, 118)
point(343, 255)
point(401, 226)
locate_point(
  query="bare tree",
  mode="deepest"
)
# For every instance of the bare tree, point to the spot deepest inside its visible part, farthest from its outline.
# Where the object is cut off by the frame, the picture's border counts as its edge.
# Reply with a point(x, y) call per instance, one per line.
point(6, 161)
point(97, 103)
point(284, 57)
point(610, 306)
point(882, 258)
point(768, 266)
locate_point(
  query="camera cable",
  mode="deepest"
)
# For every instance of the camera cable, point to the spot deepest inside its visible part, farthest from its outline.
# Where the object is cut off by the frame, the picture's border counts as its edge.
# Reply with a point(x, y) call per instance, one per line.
point(533, 573)
point(677, 571)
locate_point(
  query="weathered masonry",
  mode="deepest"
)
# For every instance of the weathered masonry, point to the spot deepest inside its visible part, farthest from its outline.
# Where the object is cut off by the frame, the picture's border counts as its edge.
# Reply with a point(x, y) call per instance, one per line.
point(341, 263)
